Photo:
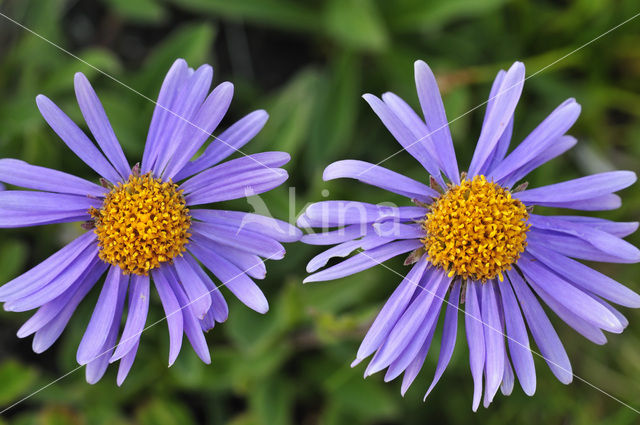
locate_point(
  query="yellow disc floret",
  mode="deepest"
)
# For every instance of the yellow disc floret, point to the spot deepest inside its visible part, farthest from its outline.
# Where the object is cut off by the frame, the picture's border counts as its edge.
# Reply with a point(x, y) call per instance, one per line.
point(476, 230)
point(142, 223)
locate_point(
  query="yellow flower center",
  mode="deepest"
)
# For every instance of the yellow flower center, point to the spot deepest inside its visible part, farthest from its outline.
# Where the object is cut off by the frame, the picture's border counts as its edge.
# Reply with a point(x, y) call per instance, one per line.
point(142, 223)
point(476, 230)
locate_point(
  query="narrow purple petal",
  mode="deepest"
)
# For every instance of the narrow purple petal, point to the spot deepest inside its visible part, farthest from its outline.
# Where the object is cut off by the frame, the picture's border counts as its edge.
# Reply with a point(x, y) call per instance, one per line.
point(182, 114)
point(518, 340)
point(229, 141)
point(136, 318)
point(540, 140)
point(543, 333)
point(364, 260)
point(20, 173)
point(195, 289)
point(344, 249)
point(168, 93)
point(125, 364)
point(233, 278)
point(268, 226)
point(75, 138)
point(381, 177)
point(204, 123)
point(393, 230)
point(403, 135)
point(475, 340)
point(570, 246)
point(191, 324)
point(392, 310)
point(172, 313)
point(47, 270)
point(99, 125)
point(619, 229)
point(508, 379)
point(49, 333)
point(436, 119)
point(575, 300)
point(219, 309)
point(247, 184)
point(251, 264)
point(585, 277)
point(17, 208)
point(102, 318)
point(253, 243)
point(98, 365)
point(599, 203)
point(601, 240)
point(341, 213)
point(337, 236)
point(448, 336)
point(579, 189)
point(493, 340)
point(498, 116)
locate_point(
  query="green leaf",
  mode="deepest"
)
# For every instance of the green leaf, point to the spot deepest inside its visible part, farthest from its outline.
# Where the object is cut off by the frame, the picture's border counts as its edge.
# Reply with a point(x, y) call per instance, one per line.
point(13, 255)
point(17, 380)
point(280, 13)
point(144, 11)
point(412, 15)
point(356, 24)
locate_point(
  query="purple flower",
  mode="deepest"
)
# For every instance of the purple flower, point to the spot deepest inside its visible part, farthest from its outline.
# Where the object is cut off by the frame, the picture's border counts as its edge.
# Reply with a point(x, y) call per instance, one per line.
point(143, 227)
point(475, 244)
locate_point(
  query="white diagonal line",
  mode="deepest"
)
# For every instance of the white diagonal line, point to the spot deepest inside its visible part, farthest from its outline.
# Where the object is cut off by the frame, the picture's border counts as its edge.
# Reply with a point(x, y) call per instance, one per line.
point(134, 90)
point(131, 337)
point(503, 91)
point(501, 333)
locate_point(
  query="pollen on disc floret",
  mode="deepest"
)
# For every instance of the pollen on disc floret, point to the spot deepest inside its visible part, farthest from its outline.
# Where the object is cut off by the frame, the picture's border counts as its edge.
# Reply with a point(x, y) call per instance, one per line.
point(476, 230)
point(142, 223)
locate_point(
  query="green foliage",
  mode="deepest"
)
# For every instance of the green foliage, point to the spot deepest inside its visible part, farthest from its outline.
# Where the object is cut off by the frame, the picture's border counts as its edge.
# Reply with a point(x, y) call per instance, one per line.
point(307, 63)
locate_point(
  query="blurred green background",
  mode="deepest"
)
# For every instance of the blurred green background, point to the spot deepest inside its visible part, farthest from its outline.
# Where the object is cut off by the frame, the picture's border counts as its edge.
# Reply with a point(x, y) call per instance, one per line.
point(307, 63)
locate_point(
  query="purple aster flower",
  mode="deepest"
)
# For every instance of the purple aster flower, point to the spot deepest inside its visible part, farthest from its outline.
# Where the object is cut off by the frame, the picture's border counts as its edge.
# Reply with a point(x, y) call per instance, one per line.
point(142, 227)
point(476, 245)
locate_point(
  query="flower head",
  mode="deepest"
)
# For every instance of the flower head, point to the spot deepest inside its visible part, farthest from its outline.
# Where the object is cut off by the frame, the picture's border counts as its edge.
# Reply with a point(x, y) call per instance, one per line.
point(476, 245)
point(145, 225)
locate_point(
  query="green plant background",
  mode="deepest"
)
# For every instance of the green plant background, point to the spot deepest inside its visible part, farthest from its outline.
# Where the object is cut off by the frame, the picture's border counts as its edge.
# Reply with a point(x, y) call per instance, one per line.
point(307, 63)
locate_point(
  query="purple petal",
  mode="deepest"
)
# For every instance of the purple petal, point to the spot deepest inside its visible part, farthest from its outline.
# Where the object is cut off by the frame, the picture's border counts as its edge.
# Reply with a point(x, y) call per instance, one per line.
point(182, 115)
point(102, 318)
point(136, 318)
point(58, 285)
point(253, 243)
point(403, 135)
point(229, 172)
point(570, 246)
point(436, 119)
point(619, 229)
point(411, 372)
point(599, 203)
point(125, 364)
point(505, 138)
point(251, 264)
point(543, 333)
point(393, 230)
point(20, 173)
point(475, 340)
point(98, 365)
point(233, 278)
point(341, 213)
point(191, 324)
point(49, 333)
point(583, 188)
point(392, 310)
point(337, 236)
point(493, 340)
point(344, 249)
point(409, 327)
point(540, 140)
point(44, 272)
point(247, 184)
point(168, 93)
point(603, 241)
point(230, 141)
point(99, 125)
point(380, 177)
point(518, 340)
point(17, 208)
point(172, 313)
point(508, 379)
point(219, 309)
point(585, 277)
point(364, 260)
point(268, 226)
point(75, 138)
point(195, 289)
point(498, 116)
point(448, 336)
point(574, 299)
point(204, 123)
